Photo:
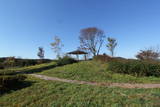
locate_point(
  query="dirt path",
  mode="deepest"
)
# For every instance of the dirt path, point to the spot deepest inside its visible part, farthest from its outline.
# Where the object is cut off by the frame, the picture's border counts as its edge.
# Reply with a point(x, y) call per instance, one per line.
point(122, 85)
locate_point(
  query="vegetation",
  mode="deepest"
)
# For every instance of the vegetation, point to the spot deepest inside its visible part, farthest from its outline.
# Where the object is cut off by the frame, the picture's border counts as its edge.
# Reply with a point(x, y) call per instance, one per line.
point(49, 93)
point(95, 71)
point(135, 67)
point(15, 83)
point(8, 82)
point(91, 39)
point(40, 53)
point(65, 60)
point(57, 46)
point(102, 58)
point(148, 54)
point(29, 69)
point(112, 43)
point(11, 62)
point(39, 93)
point(10, 78)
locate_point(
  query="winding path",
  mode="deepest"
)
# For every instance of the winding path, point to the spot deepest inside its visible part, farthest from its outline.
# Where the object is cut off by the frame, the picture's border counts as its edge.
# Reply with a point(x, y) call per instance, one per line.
point(121, 85)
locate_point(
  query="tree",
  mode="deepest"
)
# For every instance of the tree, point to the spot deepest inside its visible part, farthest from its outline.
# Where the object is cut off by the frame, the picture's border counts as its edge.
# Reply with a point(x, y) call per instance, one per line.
point(148, 54)
point(57, 46)
point(91, 39)
point(112, 43)
point(40, 53)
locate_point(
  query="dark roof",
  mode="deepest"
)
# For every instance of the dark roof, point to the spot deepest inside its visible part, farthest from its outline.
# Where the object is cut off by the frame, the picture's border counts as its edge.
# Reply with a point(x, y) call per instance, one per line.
point(77, 52)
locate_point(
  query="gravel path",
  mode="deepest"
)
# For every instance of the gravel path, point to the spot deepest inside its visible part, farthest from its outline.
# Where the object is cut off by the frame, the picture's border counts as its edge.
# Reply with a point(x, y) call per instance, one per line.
point(121, 85)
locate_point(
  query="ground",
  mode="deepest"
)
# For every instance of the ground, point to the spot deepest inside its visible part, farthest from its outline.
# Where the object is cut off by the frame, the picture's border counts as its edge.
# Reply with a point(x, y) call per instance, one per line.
point(46, 93)
point(50, 93)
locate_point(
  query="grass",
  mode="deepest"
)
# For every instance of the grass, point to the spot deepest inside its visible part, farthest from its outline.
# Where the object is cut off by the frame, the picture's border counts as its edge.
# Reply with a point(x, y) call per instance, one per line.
point(95, 71)
point(42, 93)
point(29, 69)
point(57, 94)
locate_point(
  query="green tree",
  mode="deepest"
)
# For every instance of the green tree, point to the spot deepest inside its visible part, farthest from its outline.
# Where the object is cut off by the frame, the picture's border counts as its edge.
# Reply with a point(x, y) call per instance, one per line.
point(57, 46)
point(112, 43)
point(40, 53)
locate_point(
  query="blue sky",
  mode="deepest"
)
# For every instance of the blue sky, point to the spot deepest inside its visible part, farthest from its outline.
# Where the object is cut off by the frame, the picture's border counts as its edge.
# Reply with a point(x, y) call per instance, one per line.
point(27, 24)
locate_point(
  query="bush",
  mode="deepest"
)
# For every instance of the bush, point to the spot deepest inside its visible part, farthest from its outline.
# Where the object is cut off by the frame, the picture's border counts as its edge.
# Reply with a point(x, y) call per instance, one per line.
point(8, 82)
point(102, 58)
point(17, 62)
point(66, 60)
point(6, 72)
point(1, 66)
point(135, 67)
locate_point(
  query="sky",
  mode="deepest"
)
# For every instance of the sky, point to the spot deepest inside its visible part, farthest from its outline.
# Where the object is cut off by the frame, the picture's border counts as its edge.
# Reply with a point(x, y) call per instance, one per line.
point(26, 25)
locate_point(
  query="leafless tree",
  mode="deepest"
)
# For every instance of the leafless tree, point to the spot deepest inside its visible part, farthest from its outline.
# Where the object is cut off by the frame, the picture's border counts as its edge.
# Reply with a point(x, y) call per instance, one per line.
point(112, 43)
point(91, 39)
point(40, 53)
point(57, 46)
point(149, 54)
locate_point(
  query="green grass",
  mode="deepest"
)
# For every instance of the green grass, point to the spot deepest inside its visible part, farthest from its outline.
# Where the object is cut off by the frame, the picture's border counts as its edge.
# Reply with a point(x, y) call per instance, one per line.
point(57, 94)
point(41, 93)
point(95, 71)
point(34, 68)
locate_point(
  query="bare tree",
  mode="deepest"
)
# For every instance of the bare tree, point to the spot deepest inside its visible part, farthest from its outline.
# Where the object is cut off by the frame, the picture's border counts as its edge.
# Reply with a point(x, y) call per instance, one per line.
point(57, 46)
point(40, 53)
point(112, 43)
point(149, 54)
point(91, 39)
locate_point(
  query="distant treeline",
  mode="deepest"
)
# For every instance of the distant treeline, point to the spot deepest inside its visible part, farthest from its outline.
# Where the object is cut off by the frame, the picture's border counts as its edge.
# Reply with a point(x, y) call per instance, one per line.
point(6, 62)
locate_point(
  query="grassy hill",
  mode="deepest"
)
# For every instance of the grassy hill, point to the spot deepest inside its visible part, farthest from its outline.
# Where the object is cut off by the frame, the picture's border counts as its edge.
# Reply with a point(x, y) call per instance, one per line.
point(96, 72)
point(42, 93)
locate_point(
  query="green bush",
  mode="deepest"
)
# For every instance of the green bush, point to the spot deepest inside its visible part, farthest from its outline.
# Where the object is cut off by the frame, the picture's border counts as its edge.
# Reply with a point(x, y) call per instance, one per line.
point(8, 82)
point(1, 66)
point(10, 62)
point(6, 72)
point(102, 58)
point(135, 67)
point(66, 60)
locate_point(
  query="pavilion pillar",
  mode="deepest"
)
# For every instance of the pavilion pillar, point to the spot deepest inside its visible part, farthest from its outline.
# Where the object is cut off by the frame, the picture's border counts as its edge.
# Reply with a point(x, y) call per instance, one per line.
point(77, 57)
point(85, 58)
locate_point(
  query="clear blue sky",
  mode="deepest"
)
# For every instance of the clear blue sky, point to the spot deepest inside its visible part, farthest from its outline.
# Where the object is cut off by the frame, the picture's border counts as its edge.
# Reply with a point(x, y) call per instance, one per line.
point(27, 24)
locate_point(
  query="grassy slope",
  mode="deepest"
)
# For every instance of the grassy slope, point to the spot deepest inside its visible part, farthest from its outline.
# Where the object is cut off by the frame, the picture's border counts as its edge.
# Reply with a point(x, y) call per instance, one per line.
point(56, 94)
point(30, 68)
point(95, 71)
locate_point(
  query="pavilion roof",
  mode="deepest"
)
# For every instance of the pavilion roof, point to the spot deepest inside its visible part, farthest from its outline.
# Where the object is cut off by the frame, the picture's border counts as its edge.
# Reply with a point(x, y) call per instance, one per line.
point(77, 52)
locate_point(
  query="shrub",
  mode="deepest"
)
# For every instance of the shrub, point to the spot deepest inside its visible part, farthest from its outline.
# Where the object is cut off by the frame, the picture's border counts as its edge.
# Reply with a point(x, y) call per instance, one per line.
point(1, 66)
point(66, 60)
point(8, 82)
point(6, 72)
point(18, 62)
point(135, 67)
point(102, 58)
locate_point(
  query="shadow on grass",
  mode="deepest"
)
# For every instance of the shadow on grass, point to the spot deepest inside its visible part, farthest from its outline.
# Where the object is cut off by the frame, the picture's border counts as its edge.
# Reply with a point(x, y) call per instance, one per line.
point(15, 87)
point(26, 71)
point(36, 70)
point(30, 71)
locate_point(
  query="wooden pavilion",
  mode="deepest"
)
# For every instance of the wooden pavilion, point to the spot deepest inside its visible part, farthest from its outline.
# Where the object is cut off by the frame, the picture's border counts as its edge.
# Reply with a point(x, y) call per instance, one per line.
point(77, 53)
